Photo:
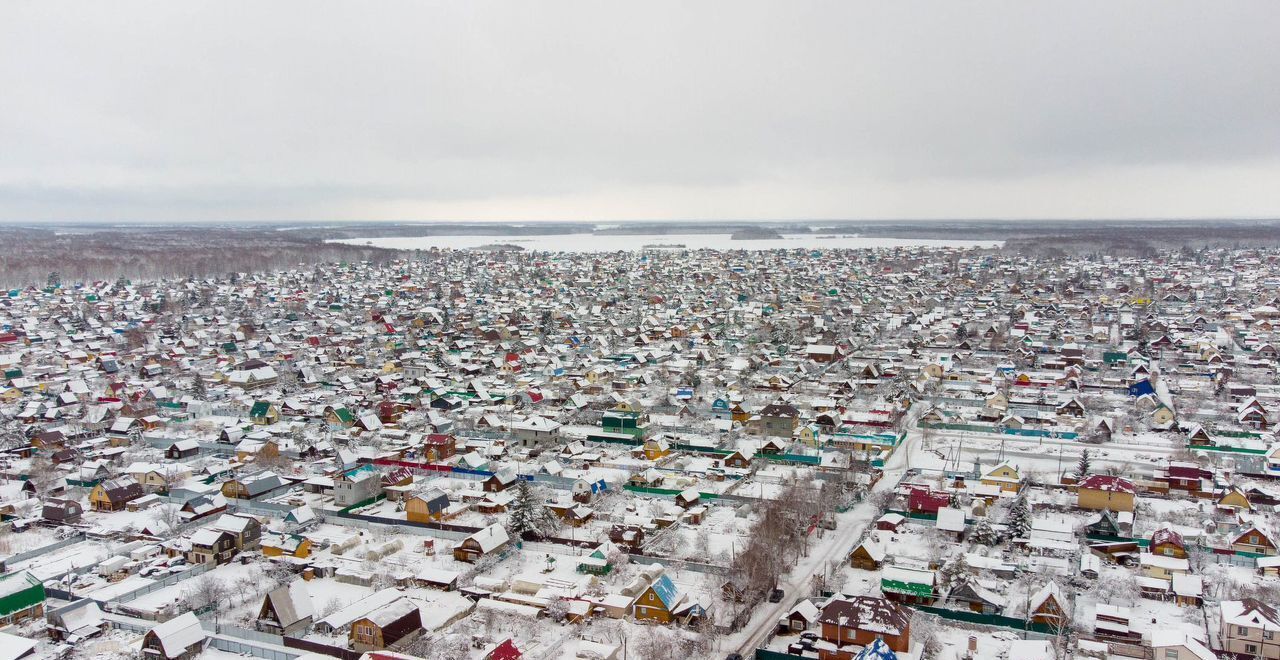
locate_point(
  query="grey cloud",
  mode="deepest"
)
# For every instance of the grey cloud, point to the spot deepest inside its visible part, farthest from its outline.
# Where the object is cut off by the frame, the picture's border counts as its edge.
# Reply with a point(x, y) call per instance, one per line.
point(597, 110)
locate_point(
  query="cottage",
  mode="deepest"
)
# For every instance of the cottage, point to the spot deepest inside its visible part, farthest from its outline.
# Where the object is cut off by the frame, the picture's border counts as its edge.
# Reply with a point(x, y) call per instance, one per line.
point(429, 506)
point(1098, 492)
point(286, 610)
point(482, 543)
point(658, 601)
point(179, 638)
point(1047, 605)
point(115, 494)
point(860, 620)
point(21, 597)
point(1249, 628)
point(390, 624)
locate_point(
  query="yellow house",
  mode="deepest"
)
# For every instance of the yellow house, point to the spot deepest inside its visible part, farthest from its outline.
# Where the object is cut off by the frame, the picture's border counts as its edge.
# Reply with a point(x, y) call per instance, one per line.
point(1004, 476)
point(426, 507)
point(1104, 492)
point(290, 545)
point(1235, 499)
point(1161, 415)
point(655, 448)
point(808, 434)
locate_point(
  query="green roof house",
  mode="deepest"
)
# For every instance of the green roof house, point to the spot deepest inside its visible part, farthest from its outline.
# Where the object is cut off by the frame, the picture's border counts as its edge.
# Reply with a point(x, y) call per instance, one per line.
point(21, 597)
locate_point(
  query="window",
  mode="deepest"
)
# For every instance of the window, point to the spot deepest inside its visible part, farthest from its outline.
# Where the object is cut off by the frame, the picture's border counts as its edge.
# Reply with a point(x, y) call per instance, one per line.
point(1251, 649)
point(1171, 654)
point(1241, 630)
point(1268, 635)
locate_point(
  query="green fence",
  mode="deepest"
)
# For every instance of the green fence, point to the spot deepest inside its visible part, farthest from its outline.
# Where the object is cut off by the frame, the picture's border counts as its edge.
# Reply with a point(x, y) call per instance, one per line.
point(364, 503)
point(666, 492)
point(1231, 450)
point(997, 620)
point(766, 654)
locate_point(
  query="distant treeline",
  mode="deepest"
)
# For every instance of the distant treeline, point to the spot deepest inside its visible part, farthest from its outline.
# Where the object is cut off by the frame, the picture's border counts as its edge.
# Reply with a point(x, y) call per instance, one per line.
point(28, 255)
point(1145, 240)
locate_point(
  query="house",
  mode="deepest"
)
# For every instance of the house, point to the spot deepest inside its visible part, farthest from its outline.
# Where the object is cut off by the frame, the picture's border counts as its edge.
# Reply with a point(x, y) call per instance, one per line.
point(868, 556)
point(248, 488)
point(803, 615)
point(1178, 644)
point(286, 610)
point(1162, 567)
point(21, 597)
point(244, 529)
point(507, 650)
point(655, 448)
point(264, 413)
point(1104, 492)
point(61, 512)
point(779, 419)
point(1168, 543)
point(535, 430)
point(1004, 476)
point(1047, 605)
point(356, 486)
point(255, 449)
point(482, 543)
point(211, 546)
point(927, 500)
point(182, 449)
point(78, 620)
point(286, 545)
point(115, 494)
point(1254, 540)
point(951, 522)
point(860, 620)
point(629, 537)
point(657, 602)
point(429, 506)
point(438, 447)
point(179, 638)
point(397, 621)
point(500, 480)
point(908, 585)
point(976, 597)
point(1249, 628)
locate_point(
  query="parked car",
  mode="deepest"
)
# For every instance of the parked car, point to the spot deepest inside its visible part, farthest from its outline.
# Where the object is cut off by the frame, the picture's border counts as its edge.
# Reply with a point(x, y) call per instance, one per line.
point(776, 595)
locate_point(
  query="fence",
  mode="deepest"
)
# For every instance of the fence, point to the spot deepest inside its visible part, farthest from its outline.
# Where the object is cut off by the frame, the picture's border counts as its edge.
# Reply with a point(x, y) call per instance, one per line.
point(169, 581)
point(997, 620)
point(436, 529)
point(241, 647)
point(323, 649)
point(982, 428)
point(766, 654)
point(44, 549)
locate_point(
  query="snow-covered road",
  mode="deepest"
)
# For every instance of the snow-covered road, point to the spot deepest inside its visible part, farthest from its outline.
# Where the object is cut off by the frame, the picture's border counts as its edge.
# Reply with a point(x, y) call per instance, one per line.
point(835, 545)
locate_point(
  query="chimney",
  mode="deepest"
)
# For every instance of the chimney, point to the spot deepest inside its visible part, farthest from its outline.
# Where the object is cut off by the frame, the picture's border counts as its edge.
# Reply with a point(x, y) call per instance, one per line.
point(973, 643)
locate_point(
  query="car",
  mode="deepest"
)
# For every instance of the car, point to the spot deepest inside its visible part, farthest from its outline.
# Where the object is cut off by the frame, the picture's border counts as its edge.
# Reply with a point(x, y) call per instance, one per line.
point(733, 656)
point(776, 595)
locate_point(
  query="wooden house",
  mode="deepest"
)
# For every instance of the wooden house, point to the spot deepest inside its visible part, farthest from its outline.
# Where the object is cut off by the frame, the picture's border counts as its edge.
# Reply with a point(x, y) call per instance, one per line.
point(861, 620)
point(179, 638)
point(386, 626)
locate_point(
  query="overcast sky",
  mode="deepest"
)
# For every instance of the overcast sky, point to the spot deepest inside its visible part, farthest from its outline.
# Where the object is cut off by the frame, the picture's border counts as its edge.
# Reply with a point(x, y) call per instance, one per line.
point(639, 110)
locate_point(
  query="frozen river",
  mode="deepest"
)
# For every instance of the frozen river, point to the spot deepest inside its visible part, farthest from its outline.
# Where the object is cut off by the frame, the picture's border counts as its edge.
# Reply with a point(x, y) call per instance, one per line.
point(612, 243)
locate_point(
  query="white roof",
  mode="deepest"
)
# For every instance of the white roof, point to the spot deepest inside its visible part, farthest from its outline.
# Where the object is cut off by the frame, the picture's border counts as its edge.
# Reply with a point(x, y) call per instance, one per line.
point(951, 520)
point(179, 633)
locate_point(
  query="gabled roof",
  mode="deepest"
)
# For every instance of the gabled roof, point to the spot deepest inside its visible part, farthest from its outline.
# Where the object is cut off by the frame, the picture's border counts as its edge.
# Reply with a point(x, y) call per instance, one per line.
point(179, 634)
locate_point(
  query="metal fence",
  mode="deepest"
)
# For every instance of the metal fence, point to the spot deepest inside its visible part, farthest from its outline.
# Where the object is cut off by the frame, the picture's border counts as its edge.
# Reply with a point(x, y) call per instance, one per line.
point(168, 581)
point(44, 549)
